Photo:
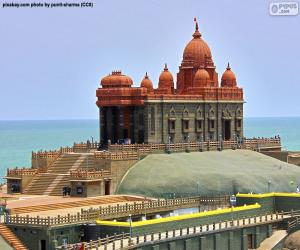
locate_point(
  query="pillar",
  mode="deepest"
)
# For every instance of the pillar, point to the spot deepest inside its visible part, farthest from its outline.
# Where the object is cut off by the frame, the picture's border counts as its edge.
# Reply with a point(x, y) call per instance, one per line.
point(188, 244)
point(217, 239)
point(230, 241)
point(269, 230)
point(203, 243)
point(257, 237)
point(172, 245)
point(244, 239)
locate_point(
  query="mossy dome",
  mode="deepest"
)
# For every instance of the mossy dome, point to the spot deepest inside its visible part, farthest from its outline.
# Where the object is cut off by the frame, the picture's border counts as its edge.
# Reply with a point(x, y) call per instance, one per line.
point(209, 173)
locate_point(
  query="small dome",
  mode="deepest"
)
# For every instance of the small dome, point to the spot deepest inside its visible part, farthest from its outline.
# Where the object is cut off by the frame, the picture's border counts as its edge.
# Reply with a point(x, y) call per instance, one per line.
point(166, 79)
point(228, 78)
point(197, 49)
point(201, 78)
point(116, 79)
point(147, 83)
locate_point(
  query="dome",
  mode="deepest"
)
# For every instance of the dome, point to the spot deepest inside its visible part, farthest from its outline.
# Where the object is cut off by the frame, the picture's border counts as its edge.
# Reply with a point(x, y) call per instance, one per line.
point(116, 79)
point(201, 78)
point(197, 49)
point(228, 78)
point(147, 83)
point(166, 79)
point(167, 173)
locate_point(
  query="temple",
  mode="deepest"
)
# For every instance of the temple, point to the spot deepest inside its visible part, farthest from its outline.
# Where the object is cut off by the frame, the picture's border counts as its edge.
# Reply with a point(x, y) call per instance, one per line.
point(199, 108)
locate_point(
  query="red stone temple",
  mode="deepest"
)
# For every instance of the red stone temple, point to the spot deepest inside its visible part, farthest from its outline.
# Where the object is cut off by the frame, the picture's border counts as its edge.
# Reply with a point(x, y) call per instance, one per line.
point(197, 108)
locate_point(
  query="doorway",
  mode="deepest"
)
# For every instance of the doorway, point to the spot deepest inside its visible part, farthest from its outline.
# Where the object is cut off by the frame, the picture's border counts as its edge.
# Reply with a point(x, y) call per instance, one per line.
point(250, 241)
point(107, 187)
point(43, 244)
point(227, 130)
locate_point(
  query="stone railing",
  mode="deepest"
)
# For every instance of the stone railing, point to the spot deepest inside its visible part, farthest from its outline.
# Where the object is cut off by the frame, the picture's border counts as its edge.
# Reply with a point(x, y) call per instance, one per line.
point(122, 155)
point(83, 147)
point(144, 149)
point(128, 241)
point(83, 174)
point(45, 154)
point(150, 206)
point(21, 171)
point(111, 212)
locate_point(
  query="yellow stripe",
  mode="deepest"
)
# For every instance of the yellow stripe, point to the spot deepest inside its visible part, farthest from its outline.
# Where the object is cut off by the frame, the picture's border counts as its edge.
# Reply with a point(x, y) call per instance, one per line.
point(269, 195)
point(178, 217)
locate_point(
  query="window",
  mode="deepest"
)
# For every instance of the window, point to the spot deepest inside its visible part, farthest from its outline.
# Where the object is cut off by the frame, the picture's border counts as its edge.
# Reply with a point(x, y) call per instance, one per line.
point(79, 190)
point(172, 125)
point(239, 123)
point(199, 124)
point(212, 124)
point(185, 125)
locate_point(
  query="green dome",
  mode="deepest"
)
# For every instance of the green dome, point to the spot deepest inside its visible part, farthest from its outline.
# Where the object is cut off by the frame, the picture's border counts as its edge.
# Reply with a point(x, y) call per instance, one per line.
point(209, 173)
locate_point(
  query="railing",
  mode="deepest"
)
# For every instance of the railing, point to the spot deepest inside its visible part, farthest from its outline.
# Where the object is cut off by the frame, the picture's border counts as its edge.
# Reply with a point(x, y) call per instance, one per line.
point(127, 242)
point(252, 143)
point(85, 146)
point(110, 212)
point(100, 242)
point(122, 155)
point(294, 224)
point(144, 149)
point(46, 154)
point(88, 174)
point(150, 205)
point(21, 171)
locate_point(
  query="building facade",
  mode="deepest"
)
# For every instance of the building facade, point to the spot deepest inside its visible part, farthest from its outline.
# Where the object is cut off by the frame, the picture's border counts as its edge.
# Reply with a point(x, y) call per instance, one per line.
point(198, 108)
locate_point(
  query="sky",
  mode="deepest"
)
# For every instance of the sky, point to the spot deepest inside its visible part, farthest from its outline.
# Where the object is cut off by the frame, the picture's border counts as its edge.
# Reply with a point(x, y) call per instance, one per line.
point(52, 60)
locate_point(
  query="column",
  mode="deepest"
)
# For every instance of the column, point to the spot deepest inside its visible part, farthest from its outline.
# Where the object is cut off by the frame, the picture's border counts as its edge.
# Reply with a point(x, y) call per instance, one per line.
point(257, 237)
point(172, 245)
point(244, 239)
point(230, 241)
point(188, 244)
point(203, 243)
point(217, 242)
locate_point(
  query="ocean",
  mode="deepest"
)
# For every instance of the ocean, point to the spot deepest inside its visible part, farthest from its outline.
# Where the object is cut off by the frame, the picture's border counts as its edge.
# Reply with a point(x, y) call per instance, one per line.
point(19, 138)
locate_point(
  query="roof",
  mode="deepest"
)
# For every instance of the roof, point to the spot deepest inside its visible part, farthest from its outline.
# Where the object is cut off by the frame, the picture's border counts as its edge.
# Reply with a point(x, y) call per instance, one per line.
point(209, 173)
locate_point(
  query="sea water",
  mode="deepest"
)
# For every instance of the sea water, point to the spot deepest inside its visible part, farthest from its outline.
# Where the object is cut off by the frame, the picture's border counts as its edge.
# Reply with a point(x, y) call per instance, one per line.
point(19, 138)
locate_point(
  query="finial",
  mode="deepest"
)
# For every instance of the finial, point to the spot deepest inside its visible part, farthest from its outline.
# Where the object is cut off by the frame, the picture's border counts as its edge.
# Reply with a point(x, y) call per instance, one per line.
point(196, 34)
point(228, 66)
point(196, 24)
point(166, 67)
point(146, 76)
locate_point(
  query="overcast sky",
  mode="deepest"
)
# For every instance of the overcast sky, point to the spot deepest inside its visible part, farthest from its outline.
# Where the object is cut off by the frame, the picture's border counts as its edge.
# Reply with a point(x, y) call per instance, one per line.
point(51, 60)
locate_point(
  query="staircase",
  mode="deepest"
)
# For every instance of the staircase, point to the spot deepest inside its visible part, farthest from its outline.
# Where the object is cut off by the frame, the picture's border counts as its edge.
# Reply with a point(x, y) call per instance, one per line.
point(58, 174)
point(273, 240)
point(11, 238)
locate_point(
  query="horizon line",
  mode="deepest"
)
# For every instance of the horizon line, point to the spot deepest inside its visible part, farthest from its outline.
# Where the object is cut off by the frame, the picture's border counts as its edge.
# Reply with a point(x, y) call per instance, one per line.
point(89, 119)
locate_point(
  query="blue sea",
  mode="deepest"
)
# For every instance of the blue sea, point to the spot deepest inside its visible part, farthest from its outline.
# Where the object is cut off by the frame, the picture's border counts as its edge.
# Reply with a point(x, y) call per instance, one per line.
point(19, 138)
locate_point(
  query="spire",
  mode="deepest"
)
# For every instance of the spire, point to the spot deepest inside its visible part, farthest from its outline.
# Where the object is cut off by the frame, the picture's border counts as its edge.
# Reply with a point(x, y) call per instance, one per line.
point(146, 76)
point(196, 24)
point(228, 66)
point(166, 67)
point(196, 34)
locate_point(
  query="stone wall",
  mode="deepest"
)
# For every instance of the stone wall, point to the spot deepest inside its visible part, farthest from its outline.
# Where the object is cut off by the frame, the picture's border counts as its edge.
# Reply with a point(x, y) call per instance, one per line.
point(272, 202)
point(32, 236)
point(279, 155)
point(225, 240)
point(163, 226)
point(191, 112)
point(294, 158)
point(151, 123)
